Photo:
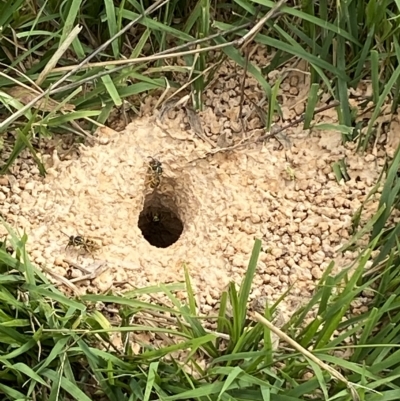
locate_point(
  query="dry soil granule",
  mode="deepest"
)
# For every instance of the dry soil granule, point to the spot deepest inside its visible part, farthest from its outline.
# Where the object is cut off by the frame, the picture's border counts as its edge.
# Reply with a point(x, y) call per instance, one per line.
point(289, 198)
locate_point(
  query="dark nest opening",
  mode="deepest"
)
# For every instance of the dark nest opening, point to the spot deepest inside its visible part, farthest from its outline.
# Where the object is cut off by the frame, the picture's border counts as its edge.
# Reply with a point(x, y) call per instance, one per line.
point(159, 221)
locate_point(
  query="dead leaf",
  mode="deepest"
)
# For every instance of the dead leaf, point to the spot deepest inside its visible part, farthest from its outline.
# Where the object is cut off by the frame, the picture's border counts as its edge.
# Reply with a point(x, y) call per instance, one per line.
point(195, 125)
point(25, 96)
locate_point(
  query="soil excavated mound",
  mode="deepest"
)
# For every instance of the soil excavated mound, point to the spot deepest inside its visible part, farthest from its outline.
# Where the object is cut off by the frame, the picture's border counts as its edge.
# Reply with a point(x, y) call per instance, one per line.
point(151, 219)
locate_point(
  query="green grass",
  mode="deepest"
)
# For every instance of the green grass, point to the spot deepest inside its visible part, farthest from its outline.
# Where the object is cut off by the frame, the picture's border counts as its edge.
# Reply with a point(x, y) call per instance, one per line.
point(342, 45)
point(94, 55)
point(54, 347)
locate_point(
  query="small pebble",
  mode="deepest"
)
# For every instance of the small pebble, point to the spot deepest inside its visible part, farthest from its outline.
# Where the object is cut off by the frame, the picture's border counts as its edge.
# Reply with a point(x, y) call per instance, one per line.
point(3, 181)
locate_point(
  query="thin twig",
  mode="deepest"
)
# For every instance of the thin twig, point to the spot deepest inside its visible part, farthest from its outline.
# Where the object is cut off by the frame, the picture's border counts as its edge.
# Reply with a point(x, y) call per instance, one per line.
point(295, 122)
point(79, 267)
point(64, 281)
point(284, 337)
point(4, 124)
point(171, 53)
point(91, 276)
point(249, 37)
point(57, 55)
point(154, 57)
point(168, 51)
point(278, 130)
point(53, 89)
point(174, 322)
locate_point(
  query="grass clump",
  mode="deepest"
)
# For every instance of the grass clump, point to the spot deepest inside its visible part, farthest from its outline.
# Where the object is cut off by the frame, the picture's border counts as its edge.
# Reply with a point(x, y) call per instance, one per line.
point(94, 57)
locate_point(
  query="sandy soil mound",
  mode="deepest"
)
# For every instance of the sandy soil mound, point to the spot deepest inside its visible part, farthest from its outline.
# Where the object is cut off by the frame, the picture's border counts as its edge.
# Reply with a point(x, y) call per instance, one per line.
point(205, 211)
point(288, 197)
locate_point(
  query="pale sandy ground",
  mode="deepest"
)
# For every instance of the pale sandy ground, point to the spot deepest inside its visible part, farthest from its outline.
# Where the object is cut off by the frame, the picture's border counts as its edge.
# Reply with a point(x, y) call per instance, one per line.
point(286, 196)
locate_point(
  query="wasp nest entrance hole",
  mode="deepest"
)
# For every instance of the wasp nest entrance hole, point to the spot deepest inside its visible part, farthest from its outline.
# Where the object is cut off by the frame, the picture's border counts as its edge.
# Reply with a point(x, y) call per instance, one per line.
point(159, 220)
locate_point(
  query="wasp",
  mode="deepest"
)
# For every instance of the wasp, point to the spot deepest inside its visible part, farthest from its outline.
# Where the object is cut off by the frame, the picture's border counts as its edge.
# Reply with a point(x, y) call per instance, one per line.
point(154, 218)
point(78, 241)
point(155, 172)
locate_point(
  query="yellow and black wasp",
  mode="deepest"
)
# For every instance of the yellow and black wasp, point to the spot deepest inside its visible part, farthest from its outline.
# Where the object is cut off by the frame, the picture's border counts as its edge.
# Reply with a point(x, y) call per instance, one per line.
point(155, 171)
point(78, 241)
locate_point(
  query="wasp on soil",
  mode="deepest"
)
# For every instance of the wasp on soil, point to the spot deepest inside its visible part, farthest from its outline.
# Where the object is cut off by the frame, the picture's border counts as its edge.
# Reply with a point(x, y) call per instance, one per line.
point(78, 241)
point(155, 172)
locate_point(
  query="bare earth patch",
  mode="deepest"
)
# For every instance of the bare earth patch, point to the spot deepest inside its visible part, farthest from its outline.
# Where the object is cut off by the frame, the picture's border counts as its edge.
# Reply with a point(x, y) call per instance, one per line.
point(287, 197)
point(207, 210)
